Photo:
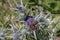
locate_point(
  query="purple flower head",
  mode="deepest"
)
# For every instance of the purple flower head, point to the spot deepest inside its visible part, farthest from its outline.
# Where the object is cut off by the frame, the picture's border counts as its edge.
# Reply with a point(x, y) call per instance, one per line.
point(30, 20)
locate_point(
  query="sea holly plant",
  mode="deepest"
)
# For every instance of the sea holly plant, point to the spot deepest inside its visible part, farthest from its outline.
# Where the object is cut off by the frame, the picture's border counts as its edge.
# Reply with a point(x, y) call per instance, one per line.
point(24, 32)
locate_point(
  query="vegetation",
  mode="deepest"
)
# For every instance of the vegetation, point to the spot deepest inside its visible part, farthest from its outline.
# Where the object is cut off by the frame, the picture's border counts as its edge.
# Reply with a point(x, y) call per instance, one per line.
point(8, 17)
